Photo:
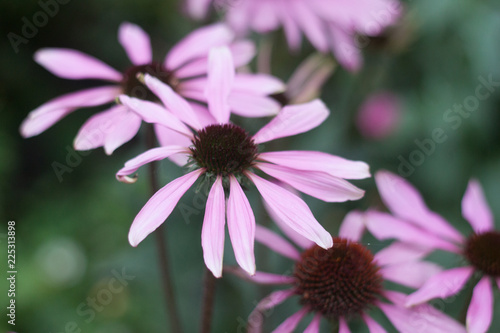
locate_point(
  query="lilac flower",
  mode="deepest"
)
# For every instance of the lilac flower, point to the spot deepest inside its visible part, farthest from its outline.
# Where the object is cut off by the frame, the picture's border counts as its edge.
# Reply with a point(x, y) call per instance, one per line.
point(346, 281)
point(414, 223)
point(184, 66)
point(379, 115)
point(224, 155)
point(330, 25)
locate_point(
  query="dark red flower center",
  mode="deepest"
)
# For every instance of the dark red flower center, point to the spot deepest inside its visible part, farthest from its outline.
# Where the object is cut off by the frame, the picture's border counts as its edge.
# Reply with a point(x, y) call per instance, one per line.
point(223, 149)
point(133, 87)
point(483, 252)
point(338, 282)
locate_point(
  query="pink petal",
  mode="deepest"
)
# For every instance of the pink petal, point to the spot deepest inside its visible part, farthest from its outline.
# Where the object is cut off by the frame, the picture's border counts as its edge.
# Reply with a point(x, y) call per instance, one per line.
point(198, 8)
point(243, 52)
point(314, 326)
point(155, 154)
point(256, 319)
point(385, 226)
point(123, 132)
point(248, 105)
point(397, 253)
point(405, 201)
point(212, 232)
point(261, 277)
point(316, 184)
point(51, 112)
point(441, 285)
point(197, 44)
point(480, 312)
point(343, 328)
point(311, 24)
point(173, 101)
point(72, 64)
point(345, 49)
point(153, 113)
point(136, 43)
point(241, 225)
point(275, 242)
point(292, 322)
point(258, 84)
point(168, 137)
point(475, 208)
point(319, 161)
point(292, 120)
point(290, 26)
point(94, 131)
point(160, 206)
point(293, 211)
point(373, 326)
point(410, 274)
point(352, 226)
point(220, 81)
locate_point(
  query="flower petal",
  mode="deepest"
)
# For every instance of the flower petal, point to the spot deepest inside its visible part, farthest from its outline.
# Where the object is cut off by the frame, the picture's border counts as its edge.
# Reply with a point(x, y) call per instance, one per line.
point(319, 161)
point(343, 328)
point(311, 24)
point(345, 49)
point(241, 225)
point(51, 112)
point(219, 83)
point(151, 155)
point(293, 211)
point(197, 44)
point(410, 274)
point(258, 84)
point(169, 137)
point(291, 322)
point(73, 64)
point(480, 312)
point(197, 9)
point(398, 252)
point(314, 326)
point(123, 132)
point(441, 285)
point(136, 43)
point(353, 226)
point(275, 242)
point(212, 232)
point(160, 206)
point(404, 201)
point(475, 208)
point(248, 105)
point(255, 319)
point(261, 277)
point(320, 185)
point(373, 326)
point(292, 120)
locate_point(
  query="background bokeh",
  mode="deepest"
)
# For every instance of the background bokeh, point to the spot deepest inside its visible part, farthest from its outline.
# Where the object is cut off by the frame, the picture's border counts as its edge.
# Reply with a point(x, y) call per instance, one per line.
point(72, 234)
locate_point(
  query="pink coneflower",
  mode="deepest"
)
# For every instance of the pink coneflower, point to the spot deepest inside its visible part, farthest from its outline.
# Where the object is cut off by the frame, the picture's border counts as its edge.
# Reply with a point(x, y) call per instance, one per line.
point(414, 222)
point(379, 115)
point(225, 156)
point(330, 25)
point(346, 282)
point(184, 65)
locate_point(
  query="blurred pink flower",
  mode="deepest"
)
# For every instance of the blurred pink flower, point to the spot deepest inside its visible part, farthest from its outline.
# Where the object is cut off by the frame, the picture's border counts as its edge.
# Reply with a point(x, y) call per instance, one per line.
point(379, 115)
point(414, 223)
point(225, 155)
point(330, 25)
point(183, 69)
point(346, 281)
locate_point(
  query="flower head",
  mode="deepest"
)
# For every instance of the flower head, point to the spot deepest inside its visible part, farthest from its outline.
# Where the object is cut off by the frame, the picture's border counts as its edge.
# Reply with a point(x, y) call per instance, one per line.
point(379, 115)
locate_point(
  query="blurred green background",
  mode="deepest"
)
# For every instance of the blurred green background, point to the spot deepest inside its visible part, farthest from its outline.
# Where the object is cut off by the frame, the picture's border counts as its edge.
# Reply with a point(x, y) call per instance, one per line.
point(71, 235)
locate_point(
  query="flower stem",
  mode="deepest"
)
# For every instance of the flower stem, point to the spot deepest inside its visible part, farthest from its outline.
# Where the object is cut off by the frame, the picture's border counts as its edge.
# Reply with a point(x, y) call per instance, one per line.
point(208, 301)
point(161, 246)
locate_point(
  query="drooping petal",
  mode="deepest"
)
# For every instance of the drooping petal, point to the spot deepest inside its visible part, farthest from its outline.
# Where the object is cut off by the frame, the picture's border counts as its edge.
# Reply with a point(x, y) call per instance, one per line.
point(290, 26)
point(320, 185)
point(197, 44)
point(255, 319)
point(198, 9)
point(155, 114)
point(151, 155)
point(160, 206)
point(373, 326)
point(251, 106)
point(219, 83)
point(345, 49)
point(399, 252)
point(292, 120)
point(212, 232)
point(314, 326)
point(318, 161)
point(291, 322)
point(441, 285)
point(404, 201)
point(123, 132)
point(352, 226)
point(480, 312)
point(475, 208)
point(241, 225)
point(136, 43)
point(312, 26)
point(258, 84)
point(411, 274)
point(169, 137)
point(261, 277)
point(51, 112)
point(343, 328)
point(275, 242)
point(73, 64)
point(293, 211)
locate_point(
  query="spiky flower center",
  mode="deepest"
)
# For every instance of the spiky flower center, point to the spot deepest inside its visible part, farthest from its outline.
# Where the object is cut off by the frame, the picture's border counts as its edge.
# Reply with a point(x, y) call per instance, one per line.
point(338, 282)
point(133, 87)
point(483, 252)
point(223, 149)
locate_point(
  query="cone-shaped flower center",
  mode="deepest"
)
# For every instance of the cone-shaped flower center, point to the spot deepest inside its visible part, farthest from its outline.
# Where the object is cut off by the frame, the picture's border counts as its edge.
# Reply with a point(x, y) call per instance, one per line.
point(340, 281)
point(223, 149)
point(133, 87)
point(483, 252)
